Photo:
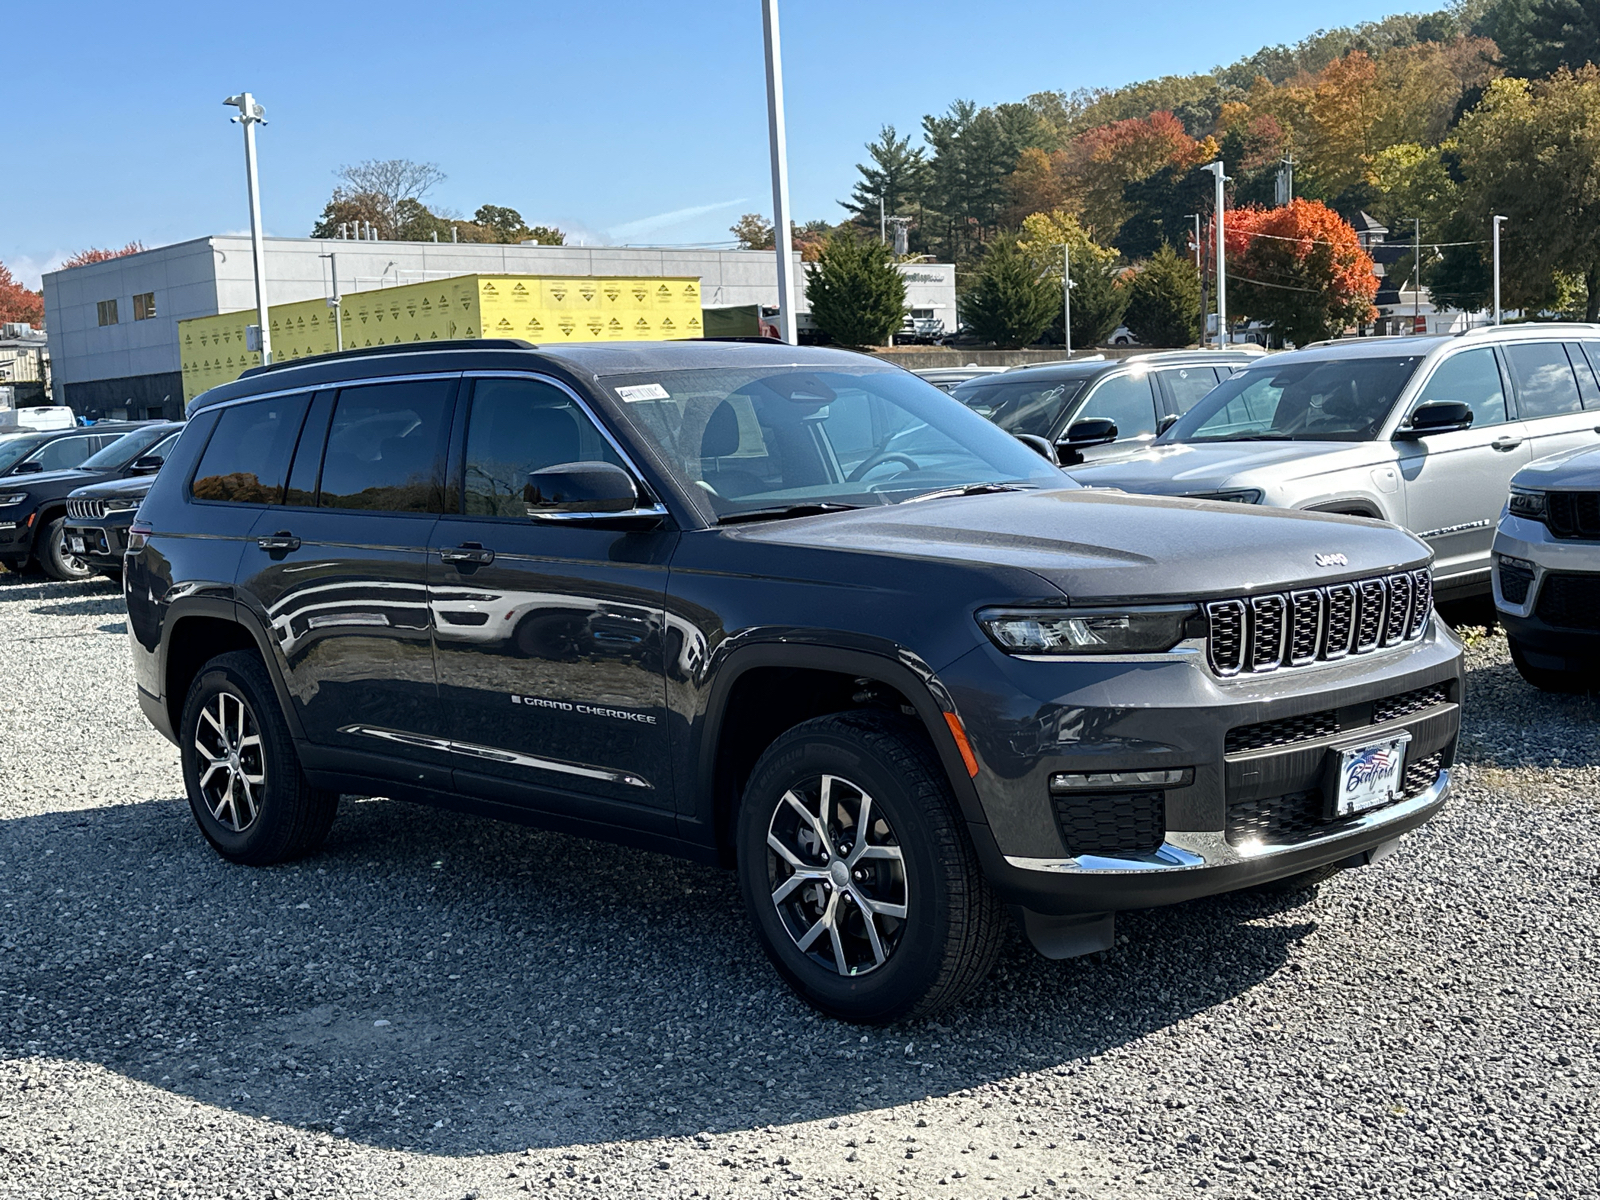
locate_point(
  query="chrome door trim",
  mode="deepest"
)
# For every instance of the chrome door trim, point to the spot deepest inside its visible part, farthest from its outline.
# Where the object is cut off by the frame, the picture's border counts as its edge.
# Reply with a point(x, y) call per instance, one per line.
point(493, 754)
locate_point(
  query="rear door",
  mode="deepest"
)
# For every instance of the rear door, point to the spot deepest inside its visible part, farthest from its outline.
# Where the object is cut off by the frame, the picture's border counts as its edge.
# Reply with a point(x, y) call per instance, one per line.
point(549, 633)
point(1184, 386)
point(337, 571)
point(1456, 483)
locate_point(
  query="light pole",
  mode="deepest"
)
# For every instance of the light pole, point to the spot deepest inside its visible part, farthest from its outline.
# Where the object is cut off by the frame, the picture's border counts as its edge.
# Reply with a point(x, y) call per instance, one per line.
point(1222, 260)
point(250, 115)
point(780, 171)
point(1066, 295)
point(338, 312)
point(1497, 221)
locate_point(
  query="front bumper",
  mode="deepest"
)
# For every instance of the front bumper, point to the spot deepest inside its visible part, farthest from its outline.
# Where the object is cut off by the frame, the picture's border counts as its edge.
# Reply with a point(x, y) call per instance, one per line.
point(16, 531)
point(1553, 633)
point(103, 541)
point(1258, 750)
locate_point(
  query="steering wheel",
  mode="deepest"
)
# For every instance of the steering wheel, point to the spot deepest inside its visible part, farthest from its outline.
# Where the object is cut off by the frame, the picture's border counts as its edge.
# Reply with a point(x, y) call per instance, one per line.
point(877, 460)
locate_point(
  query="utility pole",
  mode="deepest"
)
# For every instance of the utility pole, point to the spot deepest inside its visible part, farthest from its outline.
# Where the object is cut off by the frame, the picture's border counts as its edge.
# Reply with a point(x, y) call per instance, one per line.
point(338, 313)
point(1416, 272)
point(883, 223)
point(1200, 270)
point(778, 140)
point(1066, 294)
point(250, 115)
point(1222, 260)
point(1497, 221)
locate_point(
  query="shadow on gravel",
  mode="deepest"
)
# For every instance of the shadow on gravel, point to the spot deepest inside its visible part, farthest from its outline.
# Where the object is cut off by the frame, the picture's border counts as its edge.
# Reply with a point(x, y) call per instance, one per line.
point(462, 986)
point(38, 587)
point(90, 606)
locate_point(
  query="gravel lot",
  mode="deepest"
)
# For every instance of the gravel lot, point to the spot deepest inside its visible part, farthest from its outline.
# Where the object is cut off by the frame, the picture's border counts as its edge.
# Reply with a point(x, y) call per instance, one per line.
point(437, 1006)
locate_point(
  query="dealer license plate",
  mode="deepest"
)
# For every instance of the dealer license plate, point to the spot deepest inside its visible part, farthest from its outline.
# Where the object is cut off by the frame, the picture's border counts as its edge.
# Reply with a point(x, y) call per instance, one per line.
point(77, 544)
point(1370, 776)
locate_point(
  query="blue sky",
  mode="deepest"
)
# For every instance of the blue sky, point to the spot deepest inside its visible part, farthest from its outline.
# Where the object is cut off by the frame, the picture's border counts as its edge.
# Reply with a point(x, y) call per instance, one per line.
point(625, 122)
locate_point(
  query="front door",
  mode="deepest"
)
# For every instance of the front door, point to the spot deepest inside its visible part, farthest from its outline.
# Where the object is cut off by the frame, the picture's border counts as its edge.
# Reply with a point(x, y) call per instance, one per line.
point(338, 573)
point(548, 633)
point(1456, 483)
point(1127, 398)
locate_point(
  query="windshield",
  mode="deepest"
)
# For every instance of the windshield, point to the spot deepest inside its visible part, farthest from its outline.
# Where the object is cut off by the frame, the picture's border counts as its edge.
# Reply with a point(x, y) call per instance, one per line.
point(768, 438)
point(125, 449)
point(1326, 400)
point(13, 448)
point(1020, 405)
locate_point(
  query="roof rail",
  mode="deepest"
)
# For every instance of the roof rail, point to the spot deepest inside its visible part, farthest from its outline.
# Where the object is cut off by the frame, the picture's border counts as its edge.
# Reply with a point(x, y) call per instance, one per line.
point(1060, 362)
point(396, 348)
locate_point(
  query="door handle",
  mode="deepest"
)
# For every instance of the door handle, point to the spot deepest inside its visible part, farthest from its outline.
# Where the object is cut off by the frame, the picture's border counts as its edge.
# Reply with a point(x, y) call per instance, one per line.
point(278, 542)
point(1506, 443)
point(467, 553)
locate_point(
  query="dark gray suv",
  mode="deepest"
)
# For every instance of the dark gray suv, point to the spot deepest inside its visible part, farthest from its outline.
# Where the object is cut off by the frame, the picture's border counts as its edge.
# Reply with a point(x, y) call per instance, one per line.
point(789, 610)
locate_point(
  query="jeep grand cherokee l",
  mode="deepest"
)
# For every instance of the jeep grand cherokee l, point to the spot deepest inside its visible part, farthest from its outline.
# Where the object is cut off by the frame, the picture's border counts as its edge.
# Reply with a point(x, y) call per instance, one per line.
point(786, 609)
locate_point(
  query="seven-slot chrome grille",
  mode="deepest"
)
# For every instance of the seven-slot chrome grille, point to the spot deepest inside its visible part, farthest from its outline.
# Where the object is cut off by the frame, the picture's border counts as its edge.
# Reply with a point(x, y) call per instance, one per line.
point(1308, 625)
point(86, 510)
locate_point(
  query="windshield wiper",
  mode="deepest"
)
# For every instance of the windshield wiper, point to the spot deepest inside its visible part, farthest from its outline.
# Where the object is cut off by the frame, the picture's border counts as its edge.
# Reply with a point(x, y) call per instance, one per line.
point(813, 509)
point(972, 489)
point(1248, 437)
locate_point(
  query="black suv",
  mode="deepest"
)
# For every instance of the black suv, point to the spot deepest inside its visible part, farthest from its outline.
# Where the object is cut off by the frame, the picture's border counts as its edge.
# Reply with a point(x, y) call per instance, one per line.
point(786, 609)
point(33, 506)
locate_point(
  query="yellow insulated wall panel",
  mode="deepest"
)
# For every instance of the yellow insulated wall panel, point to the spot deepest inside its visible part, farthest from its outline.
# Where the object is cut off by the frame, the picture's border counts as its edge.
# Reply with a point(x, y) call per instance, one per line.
point(543, 309)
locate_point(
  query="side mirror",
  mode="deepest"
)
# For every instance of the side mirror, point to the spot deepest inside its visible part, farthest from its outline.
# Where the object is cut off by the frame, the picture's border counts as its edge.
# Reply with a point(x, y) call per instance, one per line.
point(1040, 446)
point(1436, 416)
point(579, 487)
point(146, 464)
point(1091, 431)
point(28, 468)
point(1166, 423)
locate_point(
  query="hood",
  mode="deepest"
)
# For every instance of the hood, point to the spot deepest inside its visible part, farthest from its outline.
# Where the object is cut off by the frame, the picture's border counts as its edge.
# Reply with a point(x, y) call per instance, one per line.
point(1577, 469)
point(54, 479)
point(137, 486)
point(1183, 468)
point(1104, 545)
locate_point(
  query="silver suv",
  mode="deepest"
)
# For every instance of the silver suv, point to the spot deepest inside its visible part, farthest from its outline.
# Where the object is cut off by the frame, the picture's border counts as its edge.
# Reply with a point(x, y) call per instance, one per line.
point(1422, 431)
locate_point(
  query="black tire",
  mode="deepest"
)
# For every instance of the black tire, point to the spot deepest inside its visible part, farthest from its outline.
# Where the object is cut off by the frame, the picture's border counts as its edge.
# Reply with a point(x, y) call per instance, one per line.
point(954, 925)
point(1289, 885)
point(1547, 680)
point(55, 559)
point(112, 573)
point(279, 818)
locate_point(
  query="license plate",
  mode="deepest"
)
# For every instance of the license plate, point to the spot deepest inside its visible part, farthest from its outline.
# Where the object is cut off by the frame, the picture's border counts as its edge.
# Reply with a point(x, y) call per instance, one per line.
point(77, 544)
point(1370, 776)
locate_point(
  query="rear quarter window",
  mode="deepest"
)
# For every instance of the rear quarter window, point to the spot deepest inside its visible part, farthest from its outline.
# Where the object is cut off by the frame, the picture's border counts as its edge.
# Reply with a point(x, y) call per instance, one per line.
point(247, 458)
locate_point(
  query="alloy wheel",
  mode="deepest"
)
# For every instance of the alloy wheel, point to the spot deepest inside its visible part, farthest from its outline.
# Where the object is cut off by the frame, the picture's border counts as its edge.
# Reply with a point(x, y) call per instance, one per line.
point(233, 767)
point(837, 875)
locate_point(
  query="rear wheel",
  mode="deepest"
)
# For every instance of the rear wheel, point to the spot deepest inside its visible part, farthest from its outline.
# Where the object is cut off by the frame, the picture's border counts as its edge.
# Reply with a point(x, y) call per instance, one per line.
point(246, 788)
point(57, 560)
point(861, 882)
point(1547, 679)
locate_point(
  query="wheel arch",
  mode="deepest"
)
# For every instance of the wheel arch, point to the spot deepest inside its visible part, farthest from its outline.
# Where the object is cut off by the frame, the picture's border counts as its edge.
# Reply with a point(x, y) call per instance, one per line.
point(1349, 506)
point(197, 633)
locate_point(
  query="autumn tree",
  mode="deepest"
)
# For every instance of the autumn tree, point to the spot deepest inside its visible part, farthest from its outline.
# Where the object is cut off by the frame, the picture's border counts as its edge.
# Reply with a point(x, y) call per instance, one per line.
point(753, 231)
point(1014, 296)
point(1098, 297)
point(95, 254)
point(1298, 269)
point(1104, 161)
point(18, 303)
point(1164, 300)
point(857, 297)
point(348, 213)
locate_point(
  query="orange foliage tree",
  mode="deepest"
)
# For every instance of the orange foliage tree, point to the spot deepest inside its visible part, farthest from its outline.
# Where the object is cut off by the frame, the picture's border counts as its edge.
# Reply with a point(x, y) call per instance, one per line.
point(94, 254)
point(1101, 163)
point(18, 303)
point(1298, 269)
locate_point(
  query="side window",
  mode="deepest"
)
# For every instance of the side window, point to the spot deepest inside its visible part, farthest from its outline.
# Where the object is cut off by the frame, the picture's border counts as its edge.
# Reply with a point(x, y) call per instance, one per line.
point(64, 453)
point(1472, 378)
point(302, 489)
point(1128, 401)
point(386, 447)
point(1588, 386)
point(1546, 385)
point(248, 455)
point(1187, 385)
point(517, 426)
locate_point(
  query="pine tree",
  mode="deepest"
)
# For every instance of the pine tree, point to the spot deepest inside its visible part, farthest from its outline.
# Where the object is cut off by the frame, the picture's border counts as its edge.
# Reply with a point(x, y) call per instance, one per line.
point(857, 296)
point(1164, 300)
point(896, 176)
point(1014, 297)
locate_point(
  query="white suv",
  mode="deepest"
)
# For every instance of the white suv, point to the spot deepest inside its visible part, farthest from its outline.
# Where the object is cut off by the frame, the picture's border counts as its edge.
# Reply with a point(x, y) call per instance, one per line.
point(1425, 432)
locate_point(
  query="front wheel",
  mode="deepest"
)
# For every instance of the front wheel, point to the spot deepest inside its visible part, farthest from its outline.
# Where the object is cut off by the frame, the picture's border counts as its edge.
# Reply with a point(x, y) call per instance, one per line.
point(246, 788)
point(858, 875)
point(1546, 679)
point(56, 559)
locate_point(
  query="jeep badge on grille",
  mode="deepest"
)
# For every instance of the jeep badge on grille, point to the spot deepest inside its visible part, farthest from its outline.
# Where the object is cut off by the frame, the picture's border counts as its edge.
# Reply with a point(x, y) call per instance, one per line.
point(1332, 560)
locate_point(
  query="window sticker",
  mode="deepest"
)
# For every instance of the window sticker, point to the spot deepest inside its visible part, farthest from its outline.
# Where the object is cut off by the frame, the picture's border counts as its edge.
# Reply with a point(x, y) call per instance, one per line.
point(643, 391)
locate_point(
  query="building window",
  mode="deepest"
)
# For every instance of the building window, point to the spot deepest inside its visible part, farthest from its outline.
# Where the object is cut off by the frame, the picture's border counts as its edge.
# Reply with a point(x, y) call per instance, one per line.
point(144, 306)
point(108, 312)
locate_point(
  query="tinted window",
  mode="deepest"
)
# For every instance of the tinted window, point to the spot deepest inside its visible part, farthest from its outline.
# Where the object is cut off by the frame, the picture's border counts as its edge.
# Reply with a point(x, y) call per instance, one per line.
point(119, 453)
point(64, 453)
point(1588, 386)
point(1545, 382)
point(1473, 379)
point(1321, 400)
point(1020, 405)
point(1188, 385)
point(385, 447)
point(517, 426)
point(302, 489)
point(1127, 400)
point(248, 454)
point(12, 449)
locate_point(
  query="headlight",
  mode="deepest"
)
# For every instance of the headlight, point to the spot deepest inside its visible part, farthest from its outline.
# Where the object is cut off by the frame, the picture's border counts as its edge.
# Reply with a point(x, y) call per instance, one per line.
point(1087, 631)
point(1236, 496)
point(121, 506)
point(1526, 502)
point(13, 498)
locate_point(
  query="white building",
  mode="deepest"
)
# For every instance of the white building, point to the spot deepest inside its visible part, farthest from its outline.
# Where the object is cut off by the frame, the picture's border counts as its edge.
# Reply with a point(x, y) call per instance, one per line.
point(113, 325)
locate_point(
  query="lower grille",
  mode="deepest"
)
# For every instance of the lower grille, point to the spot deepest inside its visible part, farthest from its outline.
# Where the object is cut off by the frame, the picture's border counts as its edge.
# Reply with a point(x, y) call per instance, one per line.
point(1570, 601)
point(1286, 731)
point(1392, 708)
point(1112, 823)
point(1573, 514)
point(1516, 577)
point(1301, 816)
